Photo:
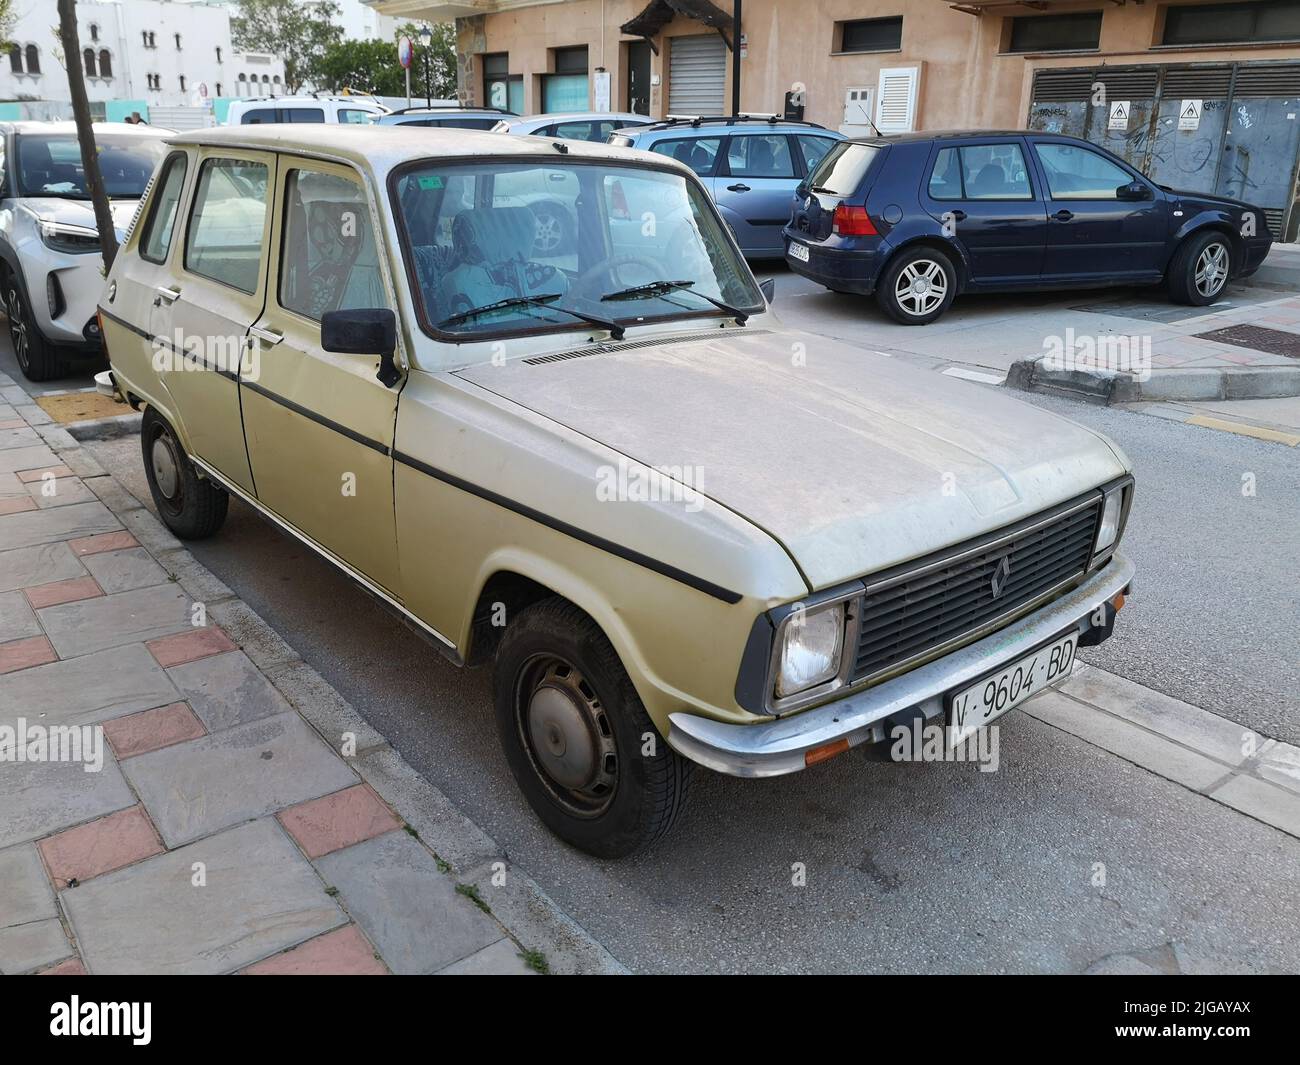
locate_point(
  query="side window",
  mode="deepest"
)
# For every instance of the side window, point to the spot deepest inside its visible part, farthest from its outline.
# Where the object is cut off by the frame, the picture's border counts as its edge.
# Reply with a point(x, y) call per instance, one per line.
point(262, 114)
point(699, 153)
point(760, 156)
point(574, 131)
point(814, 149)
point(156, 240)
point(224, 240)
point(302, 114)
point(328, 261)
point(980, 172)
point(352, 115)
point(1075, 173)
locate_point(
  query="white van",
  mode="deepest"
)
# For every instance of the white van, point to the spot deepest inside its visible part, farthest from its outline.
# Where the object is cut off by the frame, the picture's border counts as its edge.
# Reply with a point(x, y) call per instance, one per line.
point(345, 109)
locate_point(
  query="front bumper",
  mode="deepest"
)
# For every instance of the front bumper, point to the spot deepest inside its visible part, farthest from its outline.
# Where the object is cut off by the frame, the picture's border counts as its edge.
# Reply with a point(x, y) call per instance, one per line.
point(778, 747)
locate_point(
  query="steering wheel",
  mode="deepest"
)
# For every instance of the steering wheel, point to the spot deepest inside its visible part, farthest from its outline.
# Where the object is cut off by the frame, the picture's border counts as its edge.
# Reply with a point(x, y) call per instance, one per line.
point(607, 270)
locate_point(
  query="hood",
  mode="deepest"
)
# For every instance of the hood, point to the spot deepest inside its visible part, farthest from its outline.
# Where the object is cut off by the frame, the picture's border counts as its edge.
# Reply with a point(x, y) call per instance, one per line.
point(852, 460)
point(80, 212)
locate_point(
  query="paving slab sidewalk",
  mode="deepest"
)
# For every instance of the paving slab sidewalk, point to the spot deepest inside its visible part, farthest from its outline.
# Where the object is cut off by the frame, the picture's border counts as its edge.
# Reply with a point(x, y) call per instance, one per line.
point(212, 805)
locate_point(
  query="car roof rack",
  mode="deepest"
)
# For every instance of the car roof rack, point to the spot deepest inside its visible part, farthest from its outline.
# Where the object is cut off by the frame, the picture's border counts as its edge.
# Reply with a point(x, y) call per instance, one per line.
point(731, 120)
point(452, 107)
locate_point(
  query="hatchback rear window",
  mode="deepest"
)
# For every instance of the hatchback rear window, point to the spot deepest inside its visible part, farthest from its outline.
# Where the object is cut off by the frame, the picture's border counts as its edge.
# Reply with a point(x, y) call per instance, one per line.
point(842, 168)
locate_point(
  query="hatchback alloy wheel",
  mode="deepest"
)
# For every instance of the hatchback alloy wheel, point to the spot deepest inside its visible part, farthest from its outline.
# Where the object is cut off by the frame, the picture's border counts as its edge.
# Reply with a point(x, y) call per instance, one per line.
point(1212, 269)
point(921, 287)
point(18, 328)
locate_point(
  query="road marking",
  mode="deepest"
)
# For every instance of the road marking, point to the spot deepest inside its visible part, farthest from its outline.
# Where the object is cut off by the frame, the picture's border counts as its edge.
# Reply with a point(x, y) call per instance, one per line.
point(975, 375)
point(1259, 432)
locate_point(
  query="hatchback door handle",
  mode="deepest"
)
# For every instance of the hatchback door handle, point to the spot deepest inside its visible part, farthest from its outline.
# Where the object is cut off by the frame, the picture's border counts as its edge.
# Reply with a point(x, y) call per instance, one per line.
point(737, 188)
point(958, 215)
point(1063, 215)
point(171, 295)
point(267, 336)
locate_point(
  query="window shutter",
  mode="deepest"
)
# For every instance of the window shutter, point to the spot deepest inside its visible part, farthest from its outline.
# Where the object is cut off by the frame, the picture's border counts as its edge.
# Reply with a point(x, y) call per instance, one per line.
point(896, 99)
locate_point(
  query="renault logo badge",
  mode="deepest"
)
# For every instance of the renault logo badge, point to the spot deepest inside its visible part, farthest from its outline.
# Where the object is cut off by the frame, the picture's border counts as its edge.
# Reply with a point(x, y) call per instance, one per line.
point(1000, 575)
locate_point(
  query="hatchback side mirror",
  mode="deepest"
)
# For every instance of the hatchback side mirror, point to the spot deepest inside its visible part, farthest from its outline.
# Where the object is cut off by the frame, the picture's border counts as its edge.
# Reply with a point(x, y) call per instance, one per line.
point(369, 331)
point(1134, 190)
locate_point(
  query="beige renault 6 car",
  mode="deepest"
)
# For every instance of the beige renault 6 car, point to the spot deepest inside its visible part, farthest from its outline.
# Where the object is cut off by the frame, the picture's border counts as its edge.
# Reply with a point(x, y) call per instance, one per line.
point(683, 534)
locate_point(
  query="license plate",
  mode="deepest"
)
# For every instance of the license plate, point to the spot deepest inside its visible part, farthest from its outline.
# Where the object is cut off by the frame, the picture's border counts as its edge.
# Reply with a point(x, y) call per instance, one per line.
point(988, 699)
point(799, 251)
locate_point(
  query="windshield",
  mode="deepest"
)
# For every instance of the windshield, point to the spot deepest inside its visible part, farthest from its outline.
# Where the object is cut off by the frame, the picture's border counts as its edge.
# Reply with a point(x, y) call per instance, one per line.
point(502, 248)
point(51, 165)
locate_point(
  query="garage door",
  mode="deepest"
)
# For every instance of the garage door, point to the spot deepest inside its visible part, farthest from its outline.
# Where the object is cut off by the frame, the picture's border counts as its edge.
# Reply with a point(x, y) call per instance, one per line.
point(697, 75)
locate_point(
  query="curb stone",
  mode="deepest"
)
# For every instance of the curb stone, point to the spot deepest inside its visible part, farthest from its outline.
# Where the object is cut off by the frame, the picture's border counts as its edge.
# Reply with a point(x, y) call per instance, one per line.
point(1185, 385)
point(527, 915)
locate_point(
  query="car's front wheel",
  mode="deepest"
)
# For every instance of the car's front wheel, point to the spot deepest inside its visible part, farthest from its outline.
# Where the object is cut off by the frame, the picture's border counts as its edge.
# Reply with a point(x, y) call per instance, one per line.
point(918, 285)
point(193, 507)
point(578, 739)
point(36, 356)
point(1198, 272)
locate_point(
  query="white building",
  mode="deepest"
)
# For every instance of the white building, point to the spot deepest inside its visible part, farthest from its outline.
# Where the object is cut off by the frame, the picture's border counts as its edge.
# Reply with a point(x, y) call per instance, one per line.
point(361, 22)
point(164, 54)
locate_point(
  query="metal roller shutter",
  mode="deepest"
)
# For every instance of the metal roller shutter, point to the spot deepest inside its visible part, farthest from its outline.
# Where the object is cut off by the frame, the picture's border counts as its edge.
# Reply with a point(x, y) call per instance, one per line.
point(697, 75)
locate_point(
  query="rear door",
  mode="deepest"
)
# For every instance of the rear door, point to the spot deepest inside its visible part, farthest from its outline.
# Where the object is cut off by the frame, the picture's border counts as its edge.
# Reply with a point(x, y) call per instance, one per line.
point(984, 195)
point(754, 189)
point(1092, 235)
point(204, 315)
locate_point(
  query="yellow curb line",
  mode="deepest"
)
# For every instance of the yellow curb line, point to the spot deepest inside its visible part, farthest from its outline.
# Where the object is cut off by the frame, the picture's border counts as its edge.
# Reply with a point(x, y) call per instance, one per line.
point(1243, 429)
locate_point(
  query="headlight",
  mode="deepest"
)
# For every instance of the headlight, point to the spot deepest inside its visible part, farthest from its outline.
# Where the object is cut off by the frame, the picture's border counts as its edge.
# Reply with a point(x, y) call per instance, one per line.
point(812, 645)
point(1108, 528)
point(73, 240)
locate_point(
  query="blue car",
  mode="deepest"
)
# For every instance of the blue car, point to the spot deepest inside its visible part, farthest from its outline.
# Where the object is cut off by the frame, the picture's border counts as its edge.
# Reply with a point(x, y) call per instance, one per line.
point(751, 165)
point(918, 218)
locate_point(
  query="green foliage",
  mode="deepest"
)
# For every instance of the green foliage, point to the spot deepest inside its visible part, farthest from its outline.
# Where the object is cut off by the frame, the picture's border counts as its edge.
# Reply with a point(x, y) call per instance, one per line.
point(372, 66)
point(298, 33)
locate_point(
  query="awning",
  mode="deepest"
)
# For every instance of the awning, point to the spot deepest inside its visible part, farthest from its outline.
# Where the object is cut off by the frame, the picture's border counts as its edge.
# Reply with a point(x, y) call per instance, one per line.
point(658, 13)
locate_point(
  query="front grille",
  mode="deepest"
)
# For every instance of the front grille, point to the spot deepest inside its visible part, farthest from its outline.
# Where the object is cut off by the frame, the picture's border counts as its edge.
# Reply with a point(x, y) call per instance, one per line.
point(936, 601)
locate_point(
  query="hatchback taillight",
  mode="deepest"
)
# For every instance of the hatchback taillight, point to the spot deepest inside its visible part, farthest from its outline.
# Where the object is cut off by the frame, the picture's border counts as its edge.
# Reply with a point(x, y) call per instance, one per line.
point(853, 221)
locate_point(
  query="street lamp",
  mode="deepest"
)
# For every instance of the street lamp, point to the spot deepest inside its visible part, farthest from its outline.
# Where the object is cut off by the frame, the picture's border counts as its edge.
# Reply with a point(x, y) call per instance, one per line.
point(426, 39)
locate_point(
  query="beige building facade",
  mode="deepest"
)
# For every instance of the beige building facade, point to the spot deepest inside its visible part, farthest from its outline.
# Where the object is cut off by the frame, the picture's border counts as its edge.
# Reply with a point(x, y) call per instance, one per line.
point(1202, 95)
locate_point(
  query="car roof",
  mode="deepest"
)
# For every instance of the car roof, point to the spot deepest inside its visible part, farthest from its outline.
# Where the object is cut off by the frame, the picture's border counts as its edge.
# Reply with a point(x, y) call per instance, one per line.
point(953, 134)
point(62, 128)
point(740, 123)
point(577, 116)
point(380, 148)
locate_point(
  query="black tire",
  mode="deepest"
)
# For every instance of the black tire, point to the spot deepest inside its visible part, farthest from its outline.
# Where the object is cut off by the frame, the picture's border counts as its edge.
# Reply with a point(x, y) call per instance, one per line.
point(928, 263)
point(1181, 279)
point(195, 508)
point(554, 234)
point(37, 357)
point(607, 814)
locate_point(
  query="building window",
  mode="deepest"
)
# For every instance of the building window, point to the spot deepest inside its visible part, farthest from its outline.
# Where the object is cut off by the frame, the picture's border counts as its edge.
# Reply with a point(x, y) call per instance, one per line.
point(33, 59)
point(153, 81)
point(218, 55)
point(88, 58)
point(1258, 22)
point(182, 81)
point(870, 35)
point(501, 88)
point(15, 59)
point(218, 88)
point(105, 64)
point(178, 42)
point(94, 32)
point(566, 88)
point(148, 38)
point(1079, 32)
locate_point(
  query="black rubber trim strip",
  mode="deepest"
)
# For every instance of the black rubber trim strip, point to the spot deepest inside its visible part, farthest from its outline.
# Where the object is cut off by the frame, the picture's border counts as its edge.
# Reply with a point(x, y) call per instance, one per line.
point(193, 356)
point(319, 419)
point(672, 572)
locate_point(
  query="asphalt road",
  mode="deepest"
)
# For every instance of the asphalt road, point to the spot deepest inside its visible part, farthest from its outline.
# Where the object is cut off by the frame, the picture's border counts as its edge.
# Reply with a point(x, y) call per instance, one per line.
point(909, 868)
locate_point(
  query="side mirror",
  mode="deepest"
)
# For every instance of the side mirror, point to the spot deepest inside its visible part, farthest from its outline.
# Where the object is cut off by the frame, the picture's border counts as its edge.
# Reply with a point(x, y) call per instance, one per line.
point(1134, 190)
point(768, 287)
point(369, 331)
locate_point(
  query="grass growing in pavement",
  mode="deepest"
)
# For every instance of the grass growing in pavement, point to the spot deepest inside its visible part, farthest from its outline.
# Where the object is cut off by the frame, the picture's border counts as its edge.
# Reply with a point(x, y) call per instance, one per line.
point(536, 961)
point(471, 893)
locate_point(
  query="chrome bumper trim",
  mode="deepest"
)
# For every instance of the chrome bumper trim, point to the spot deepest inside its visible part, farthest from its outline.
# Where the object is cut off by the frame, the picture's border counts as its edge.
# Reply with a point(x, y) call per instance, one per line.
point(774, 748)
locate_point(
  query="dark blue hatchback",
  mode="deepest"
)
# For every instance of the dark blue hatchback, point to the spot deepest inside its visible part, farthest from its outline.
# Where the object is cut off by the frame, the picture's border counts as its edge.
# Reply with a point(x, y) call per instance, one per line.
point(919, 218)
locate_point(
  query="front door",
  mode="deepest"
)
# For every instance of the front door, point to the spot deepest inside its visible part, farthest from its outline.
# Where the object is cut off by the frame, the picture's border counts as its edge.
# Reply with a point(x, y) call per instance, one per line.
point(984, 196)
point(319, 425)
point(217, 295)
point(755, 189)
point(638, 77)
point(1093, 235)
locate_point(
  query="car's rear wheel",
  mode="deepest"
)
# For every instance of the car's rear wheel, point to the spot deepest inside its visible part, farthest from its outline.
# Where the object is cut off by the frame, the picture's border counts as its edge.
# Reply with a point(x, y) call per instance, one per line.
point(918, 286)
point(1199, 270)
point(578, 739)
point(193, 507)
point(37, 357)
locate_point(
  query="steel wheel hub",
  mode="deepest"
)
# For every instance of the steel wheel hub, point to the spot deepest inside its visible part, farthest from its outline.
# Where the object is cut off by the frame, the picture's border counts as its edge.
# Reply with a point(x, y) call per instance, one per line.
point(166, 474)
point(568, 736)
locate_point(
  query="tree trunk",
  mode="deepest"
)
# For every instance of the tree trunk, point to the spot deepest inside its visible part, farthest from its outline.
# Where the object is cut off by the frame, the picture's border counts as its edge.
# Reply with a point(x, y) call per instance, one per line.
point(85, 136)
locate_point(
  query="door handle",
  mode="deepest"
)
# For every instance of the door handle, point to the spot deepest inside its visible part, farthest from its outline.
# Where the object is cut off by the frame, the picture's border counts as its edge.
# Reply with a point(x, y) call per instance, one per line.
point(1063, 215)
point(958, 215)
point(737, 188)
point(171, 295)
point(267, 336)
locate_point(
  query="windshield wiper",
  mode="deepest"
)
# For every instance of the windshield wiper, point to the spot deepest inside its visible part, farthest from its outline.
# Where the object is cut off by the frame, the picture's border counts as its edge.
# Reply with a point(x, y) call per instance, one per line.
point(546, 300)
point(660, 288)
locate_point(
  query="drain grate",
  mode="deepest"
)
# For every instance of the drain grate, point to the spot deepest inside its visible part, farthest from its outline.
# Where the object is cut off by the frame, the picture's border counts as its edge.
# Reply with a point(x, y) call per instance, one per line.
point(1258, 338)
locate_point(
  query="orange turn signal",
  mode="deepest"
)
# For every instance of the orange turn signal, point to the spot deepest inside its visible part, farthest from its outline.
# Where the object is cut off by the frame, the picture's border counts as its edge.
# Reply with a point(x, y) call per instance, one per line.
point(825, 752)
point(1118, 602)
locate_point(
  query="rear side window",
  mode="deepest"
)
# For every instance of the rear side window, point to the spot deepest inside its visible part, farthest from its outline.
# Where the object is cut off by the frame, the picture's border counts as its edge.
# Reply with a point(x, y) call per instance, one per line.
point(156, 239)
point(224, 240)
point(814, 149)
point(699, 153)
point(351, 114)
point(301, 114)
point(760, 156)
point(842, 168)
point(980, 172)
point(262, 114)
